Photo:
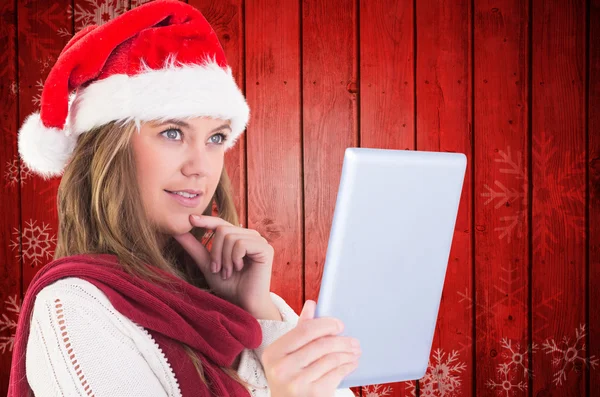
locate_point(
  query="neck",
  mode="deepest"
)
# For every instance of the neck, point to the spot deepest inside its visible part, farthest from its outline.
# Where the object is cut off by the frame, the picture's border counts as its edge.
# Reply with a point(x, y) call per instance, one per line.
point(162, 239)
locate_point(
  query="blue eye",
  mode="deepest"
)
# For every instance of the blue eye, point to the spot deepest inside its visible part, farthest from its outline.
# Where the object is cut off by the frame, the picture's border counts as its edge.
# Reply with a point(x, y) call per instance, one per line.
point(171, 134)
point(223, 138)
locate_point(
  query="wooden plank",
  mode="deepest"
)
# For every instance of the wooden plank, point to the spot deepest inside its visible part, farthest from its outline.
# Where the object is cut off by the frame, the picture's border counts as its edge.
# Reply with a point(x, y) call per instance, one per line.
point(594, 198)
point(558, 201)
point(501, 197)
point(274, 139)
point(44, 28)
point(443, 124)
point(12, 177)
point(226, 18)
point(387, 96)
point(329, 64)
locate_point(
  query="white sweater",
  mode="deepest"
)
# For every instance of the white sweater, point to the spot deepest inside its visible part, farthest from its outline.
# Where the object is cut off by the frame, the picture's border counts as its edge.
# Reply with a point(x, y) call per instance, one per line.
point(80, 345)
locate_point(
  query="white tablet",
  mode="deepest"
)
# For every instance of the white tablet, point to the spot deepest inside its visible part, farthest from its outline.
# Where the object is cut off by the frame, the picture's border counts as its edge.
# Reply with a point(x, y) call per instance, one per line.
point(386, 260)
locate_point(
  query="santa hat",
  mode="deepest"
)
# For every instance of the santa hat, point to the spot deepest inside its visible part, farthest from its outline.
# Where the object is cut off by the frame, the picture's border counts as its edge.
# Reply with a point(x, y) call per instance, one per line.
point(159, 61)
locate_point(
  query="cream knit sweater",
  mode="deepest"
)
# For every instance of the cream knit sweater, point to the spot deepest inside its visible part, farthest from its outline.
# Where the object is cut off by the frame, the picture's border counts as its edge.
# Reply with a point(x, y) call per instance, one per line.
point(80, 345)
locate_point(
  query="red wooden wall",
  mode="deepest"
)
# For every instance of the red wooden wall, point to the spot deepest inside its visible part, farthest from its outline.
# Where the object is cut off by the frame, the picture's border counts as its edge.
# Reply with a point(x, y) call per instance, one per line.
point(513, 84)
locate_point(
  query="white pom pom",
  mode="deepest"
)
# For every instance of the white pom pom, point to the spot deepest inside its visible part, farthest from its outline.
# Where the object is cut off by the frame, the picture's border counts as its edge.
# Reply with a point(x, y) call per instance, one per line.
point(44, 150)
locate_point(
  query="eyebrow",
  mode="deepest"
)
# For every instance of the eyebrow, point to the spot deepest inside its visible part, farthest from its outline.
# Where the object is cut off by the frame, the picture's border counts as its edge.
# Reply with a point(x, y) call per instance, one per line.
point(183, 124)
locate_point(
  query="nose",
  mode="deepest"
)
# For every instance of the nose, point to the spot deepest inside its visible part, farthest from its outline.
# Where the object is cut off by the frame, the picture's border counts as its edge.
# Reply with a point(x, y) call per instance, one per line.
point(196, 162)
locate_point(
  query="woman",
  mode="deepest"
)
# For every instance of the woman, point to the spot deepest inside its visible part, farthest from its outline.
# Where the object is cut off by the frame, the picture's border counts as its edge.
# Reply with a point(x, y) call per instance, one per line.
point(135, 303)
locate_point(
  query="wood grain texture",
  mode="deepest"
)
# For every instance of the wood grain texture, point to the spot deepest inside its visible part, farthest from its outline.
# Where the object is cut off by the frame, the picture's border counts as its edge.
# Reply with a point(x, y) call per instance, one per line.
point(387, 96)
point(443, 123)
point(501, 196)
point(274, 139)
point(10, 269)
point(387, 74)
point(329, 75)
point(226, 18)
point(594, 197)
point(321, 76)
point(558, 206)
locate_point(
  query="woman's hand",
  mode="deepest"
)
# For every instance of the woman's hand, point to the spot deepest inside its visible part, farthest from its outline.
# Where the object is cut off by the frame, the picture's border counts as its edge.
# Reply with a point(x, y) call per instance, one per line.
point(238, 267)
point(310, 360)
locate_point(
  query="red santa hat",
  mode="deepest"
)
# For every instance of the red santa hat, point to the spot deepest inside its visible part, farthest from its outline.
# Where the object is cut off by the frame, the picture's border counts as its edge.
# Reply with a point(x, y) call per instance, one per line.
point(159, 61)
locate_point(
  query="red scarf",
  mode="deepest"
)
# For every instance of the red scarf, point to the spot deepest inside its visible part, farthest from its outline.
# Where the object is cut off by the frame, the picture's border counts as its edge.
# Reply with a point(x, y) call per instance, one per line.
point(218, 331)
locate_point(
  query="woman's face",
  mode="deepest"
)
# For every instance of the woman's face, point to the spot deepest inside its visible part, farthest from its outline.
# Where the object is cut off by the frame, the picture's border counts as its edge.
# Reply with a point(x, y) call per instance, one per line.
point(178, 166)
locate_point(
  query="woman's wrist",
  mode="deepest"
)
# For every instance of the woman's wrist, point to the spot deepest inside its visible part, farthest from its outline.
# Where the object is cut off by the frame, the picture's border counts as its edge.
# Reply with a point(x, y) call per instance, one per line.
point(266, 311)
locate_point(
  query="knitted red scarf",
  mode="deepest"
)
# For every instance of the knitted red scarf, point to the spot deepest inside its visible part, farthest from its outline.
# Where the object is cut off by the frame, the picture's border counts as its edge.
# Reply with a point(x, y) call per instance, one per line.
point(214, 328)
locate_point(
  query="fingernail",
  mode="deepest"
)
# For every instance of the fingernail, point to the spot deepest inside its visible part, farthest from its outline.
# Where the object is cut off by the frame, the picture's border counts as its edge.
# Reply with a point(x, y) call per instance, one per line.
point(213, 267)
point(340, 325)
point(196, 217)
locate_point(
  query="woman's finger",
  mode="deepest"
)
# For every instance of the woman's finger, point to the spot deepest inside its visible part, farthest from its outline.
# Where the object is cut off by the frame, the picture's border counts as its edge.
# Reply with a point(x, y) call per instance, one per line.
point(238, 252)
point(226, 250)
point(233, 260)
point(218, 240)
point(244, 245)
point(208, 222)
point(196, 250)
point(305, 332)
point(334, 376)
point(319, 348)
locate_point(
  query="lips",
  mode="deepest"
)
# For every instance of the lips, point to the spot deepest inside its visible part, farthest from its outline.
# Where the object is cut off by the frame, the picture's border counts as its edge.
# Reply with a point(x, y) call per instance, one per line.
point(189, 202)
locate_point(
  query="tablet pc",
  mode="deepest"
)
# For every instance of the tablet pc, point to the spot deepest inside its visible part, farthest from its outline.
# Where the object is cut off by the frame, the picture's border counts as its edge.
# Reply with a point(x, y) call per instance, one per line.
point(387, 256)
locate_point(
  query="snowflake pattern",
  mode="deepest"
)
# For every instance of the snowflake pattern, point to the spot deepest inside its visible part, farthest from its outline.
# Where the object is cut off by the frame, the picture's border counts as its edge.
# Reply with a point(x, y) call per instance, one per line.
point(508, 295)
point(37, 98)
point(504, 196)
point(36, 22)
point(508, 371)
point(376, 391)
point(36, 242)
point(12, 173)
point(569, 212)
point(97, 12)
point(7, 32)
point(569, 356)
point(442, 378)
point(9, 323)
point(507, 386)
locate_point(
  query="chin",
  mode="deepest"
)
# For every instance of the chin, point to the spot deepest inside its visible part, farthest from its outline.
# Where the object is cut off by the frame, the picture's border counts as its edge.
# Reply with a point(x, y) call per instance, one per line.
point(176, 226)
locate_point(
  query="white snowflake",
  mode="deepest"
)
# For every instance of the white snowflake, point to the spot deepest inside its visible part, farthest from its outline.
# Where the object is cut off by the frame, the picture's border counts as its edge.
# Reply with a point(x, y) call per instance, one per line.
point(518, 358)
point(98, 12)
point(442, 378)
point(507, 386)
point(504, 196)
point(45, 63)
point(517, 361)
point(36, 242)
point(9, 324)
point(374, 391)
point(568, 356)
point(11, 174)
point(37, 98)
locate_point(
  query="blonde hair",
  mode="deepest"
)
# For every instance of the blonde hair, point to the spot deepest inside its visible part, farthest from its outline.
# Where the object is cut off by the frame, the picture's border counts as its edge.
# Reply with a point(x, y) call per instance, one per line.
point(99, 212)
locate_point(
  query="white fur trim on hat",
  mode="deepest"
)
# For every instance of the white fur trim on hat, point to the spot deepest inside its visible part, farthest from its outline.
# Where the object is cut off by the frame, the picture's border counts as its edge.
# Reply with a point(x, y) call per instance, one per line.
point(181, 91)
point(175, 91)
point(44, 150)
